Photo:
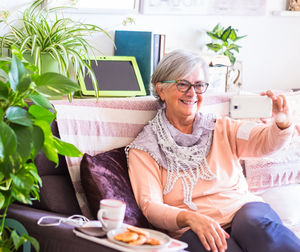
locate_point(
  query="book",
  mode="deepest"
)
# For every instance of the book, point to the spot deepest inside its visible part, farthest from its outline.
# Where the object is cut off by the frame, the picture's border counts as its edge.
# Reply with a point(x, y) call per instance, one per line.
point(140, 45)
point(156, 52)
point(162, 46)
point(159, 48)
point(146, 47)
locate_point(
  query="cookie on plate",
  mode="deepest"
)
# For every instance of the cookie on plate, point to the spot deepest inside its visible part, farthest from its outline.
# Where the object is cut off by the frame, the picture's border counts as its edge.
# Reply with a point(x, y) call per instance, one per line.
point(138, 231)
point(152, 241)
point(140, 241)
point(126, 236)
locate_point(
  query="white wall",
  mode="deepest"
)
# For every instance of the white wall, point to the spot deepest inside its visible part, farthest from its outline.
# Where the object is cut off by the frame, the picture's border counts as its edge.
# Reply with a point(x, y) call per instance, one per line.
point(270, 53)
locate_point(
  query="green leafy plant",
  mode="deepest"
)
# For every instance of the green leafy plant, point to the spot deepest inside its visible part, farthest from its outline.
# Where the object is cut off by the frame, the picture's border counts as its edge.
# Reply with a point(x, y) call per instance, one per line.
point(25, 117)
point(223, 41)
point(41, 31)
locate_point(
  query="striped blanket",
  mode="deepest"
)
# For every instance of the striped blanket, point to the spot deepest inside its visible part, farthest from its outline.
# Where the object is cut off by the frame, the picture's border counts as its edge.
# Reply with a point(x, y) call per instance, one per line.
point(98, 126)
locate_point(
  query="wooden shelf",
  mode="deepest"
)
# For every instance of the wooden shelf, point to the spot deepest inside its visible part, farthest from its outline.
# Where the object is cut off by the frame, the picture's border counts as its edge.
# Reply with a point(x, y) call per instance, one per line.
point(286, 13)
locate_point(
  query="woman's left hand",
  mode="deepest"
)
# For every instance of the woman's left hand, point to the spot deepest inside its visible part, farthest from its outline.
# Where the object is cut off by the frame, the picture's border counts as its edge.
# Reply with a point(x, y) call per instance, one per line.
point(281, 112)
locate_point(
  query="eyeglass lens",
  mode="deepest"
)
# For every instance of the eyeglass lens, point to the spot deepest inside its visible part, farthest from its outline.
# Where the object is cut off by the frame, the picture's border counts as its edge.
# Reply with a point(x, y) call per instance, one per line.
point(184, 86)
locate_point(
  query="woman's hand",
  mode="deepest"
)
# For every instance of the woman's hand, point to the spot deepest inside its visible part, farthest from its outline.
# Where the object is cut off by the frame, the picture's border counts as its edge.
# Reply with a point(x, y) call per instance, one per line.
point(281, 111)
point(210, 233)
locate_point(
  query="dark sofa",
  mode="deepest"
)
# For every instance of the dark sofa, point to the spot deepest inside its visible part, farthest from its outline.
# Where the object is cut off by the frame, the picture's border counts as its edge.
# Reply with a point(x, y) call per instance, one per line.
point(57, 198)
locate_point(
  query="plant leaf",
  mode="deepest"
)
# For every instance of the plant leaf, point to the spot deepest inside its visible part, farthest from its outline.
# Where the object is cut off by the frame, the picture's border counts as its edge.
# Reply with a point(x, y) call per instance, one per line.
point(226, 33)
point(232, 35)
point(212, 35)
point(65, 148)
point(48, 148)
point(24, 84)
point(8, 141)
point(5, 185)
point(234, 47)
point(3, 91)
point(34, 194)
point(20, 195)
point(23, 179)
point(3, 74)
point(17, 240)
point(16, 73)
point(37, 140)
point(50, 152)
point(2, 200)
point(240, 37)
point(230, 56)
point(18, 115)
point(33, 242)
point(216, 28)
point(54, 84)
point(33, 171)
point(16, 51)
point(41, 101)
point(214, 47)
point(41, 113)
point(24, 140)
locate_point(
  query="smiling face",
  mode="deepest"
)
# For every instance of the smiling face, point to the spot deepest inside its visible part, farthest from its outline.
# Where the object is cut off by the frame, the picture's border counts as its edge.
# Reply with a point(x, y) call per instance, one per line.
point(181, 108)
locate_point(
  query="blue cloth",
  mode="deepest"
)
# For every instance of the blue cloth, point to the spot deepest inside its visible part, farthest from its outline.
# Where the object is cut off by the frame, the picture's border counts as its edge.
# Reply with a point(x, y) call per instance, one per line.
point(255, 228)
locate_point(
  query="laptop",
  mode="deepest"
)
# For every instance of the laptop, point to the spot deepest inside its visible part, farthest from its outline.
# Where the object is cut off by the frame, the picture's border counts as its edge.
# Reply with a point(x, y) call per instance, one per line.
point(117, 76)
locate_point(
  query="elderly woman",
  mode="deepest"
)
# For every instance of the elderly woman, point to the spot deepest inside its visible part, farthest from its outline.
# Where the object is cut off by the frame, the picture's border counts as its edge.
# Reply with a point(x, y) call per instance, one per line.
point(185, 171)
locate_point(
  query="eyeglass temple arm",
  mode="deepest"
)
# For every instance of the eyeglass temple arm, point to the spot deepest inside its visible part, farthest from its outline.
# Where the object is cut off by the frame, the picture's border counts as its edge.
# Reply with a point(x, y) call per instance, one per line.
point(168, 81)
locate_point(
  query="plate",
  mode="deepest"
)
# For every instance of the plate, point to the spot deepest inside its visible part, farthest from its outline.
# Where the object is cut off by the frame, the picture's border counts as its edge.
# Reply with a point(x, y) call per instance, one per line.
point(153, 234)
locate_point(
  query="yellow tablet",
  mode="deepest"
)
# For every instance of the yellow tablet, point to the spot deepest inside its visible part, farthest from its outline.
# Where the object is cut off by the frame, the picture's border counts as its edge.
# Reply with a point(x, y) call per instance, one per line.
point(117, 76)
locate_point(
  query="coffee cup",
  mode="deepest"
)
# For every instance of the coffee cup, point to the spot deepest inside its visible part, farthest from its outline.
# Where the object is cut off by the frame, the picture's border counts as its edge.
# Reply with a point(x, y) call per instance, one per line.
point(111, 213)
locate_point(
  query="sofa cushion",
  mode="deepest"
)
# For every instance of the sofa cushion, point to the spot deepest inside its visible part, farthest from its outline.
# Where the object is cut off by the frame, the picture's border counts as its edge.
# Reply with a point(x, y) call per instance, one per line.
point(281, 168)
point(105, 176)
point(285, 201)
point(57, 193)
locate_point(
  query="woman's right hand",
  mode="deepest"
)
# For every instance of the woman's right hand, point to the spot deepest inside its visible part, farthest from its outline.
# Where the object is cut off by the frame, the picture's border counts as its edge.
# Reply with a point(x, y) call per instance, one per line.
point(210, 233)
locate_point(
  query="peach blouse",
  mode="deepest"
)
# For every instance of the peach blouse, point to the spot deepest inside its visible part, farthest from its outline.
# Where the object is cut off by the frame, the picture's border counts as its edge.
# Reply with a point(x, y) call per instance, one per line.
point(219, 198)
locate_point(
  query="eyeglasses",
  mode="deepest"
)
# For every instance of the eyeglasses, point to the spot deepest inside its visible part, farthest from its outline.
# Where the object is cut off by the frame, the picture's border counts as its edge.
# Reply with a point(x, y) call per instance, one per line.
point(184, 86)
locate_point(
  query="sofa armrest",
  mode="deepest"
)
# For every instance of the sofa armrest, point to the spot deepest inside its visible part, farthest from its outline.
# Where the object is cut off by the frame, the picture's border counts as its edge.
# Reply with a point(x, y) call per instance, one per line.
point(52, 238)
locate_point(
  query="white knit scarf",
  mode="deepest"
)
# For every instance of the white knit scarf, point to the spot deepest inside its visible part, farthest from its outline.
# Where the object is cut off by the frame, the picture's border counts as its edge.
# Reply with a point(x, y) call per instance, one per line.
point(183, 155)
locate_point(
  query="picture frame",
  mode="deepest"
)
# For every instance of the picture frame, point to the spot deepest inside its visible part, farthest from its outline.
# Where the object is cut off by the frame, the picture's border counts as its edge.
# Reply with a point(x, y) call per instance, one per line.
point(203, 7)
point(171, 7)
point(294, 5)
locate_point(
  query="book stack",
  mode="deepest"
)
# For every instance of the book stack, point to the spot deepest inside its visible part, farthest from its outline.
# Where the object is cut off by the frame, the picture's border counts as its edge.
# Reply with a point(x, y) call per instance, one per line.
point(146, 47)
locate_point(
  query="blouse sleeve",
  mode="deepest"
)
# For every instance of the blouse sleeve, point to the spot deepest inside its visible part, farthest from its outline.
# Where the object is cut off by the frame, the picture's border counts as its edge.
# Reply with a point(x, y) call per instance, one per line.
point(146, 180)
point(260, 140)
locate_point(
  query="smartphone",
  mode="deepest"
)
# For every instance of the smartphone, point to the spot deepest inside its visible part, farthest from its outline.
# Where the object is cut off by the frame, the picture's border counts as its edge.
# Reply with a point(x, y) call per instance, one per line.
point(250, 106)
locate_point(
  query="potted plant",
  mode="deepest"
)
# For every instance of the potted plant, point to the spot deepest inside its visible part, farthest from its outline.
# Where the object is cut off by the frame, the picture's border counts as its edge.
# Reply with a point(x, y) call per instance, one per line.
point(223, 41)
point(25, 117)
point(227, 74)
point(41, 32)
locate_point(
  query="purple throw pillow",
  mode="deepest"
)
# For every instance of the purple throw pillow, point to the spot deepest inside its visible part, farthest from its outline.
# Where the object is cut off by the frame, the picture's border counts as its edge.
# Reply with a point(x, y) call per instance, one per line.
point(105, 176)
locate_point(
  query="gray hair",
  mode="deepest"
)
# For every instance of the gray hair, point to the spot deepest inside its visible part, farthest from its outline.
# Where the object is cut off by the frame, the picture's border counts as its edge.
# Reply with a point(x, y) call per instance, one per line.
point(177, 65)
